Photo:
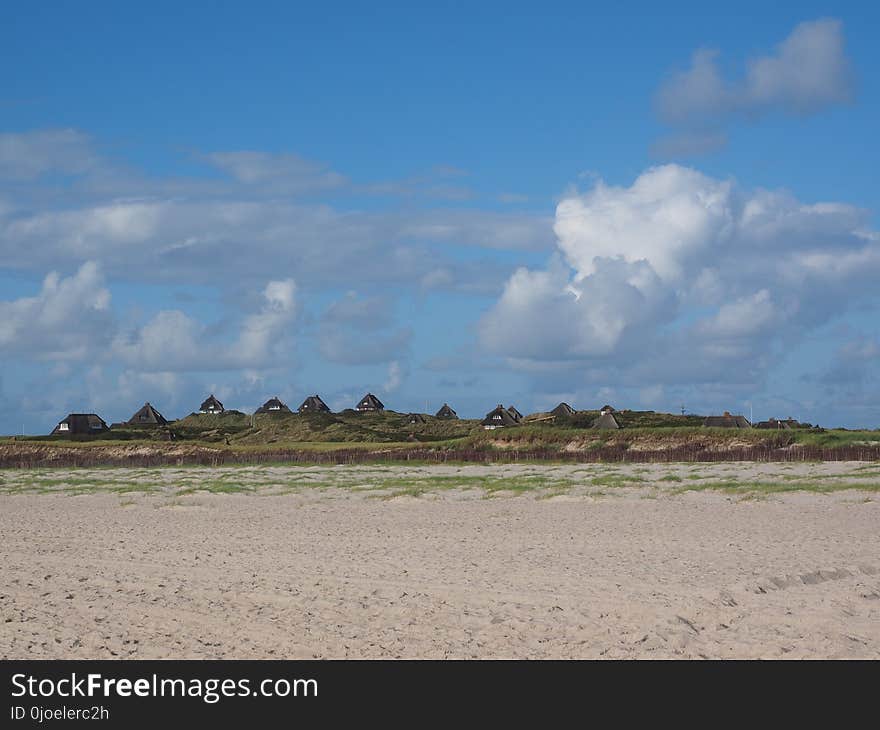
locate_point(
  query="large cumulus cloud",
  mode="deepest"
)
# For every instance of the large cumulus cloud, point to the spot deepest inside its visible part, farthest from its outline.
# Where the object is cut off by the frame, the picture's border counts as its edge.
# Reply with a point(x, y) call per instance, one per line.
point(681, 277)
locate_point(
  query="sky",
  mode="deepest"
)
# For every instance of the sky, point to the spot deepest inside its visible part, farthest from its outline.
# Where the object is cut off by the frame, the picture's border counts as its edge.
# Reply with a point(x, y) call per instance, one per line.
point(657, 207)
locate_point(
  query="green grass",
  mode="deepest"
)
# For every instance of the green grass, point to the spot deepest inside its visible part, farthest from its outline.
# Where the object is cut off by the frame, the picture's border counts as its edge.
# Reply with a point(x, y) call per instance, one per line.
point(391, 481)
point(218, 486)
point(389, 437)
point(616, 480)
point(764, 487)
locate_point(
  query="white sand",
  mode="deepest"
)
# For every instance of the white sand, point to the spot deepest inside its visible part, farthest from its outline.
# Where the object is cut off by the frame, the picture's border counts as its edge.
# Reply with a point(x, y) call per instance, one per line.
point(594, 571)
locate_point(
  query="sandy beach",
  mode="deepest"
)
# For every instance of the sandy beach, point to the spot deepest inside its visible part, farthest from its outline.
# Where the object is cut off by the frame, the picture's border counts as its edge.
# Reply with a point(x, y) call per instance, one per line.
point(527, 561)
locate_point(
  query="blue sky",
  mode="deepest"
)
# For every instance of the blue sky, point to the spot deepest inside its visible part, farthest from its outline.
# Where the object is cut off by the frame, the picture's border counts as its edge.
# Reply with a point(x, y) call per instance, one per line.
point(517, 202)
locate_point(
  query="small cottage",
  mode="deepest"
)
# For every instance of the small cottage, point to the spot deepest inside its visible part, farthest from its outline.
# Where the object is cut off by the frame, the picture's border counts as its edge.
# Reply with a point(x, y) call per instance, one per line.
point(147, 416)
point(499, 417)
point(273, 405)
point(416, 418)
point(773, 424)
point(80, 424)
point(313, 404)
point(211, 405)
point(446, 412)
point(369, 404)
point(605, 410)
point(562, 410)
point(607, 419)
point(727, 421)
point(515, 414)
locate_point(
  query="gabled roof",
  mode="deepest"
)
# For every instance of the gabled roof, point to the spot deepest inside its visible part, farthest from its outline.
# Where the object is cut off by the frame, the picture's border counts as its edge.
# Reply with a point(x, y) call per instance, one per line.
point(499, 416)
point(774, 424)
point(608, 420)
point(314, 404)
point(517, 416)
point(727, 421)
point(369, 403)
point(446, 412)
point(81, 423)
point(563, 409)
point(607, 409)
point(211, 404)
point(147, 416)
point(416, 418)
point(273, 405)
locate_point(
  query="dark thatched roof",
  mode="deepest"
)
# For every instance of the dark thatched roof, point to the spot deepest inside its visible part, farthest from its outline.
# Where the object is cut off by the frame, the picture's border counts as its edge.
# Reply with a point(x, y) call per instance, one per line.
point(416, 418)
point(517, 416)
point(446, 412)
point(607, 409)
point(727, 421)
point(774, 424)
point(563, 409)
point(369, 403)
point(211, 405)
point(608, 420)
point(147, 416)
point(498, 417)
point(80, 424)
point(314, 404)
point(273, 405)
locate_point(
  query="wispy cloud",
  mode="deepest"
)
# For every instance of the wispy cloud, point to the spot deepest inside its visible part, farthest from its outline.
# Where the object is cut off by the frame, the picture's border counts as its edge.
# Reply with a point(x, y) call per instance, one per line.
point(290, 171)
point(28, 155)
point(806, 73)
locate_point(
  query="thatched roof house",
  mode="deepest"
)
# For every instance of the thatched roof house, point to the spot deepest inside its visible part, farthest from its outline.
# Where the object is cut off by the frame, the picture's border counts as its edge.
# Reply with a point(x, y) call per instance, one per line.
point(563, 409)
point(446, 412)
point(80, 424)
point(517, 416)
point(273, 405)
point(211, 405)
point(727, 421)
point(369, 404)
point(499, 417)
point(147, 416)
point(773, 424)
point(314, 404)
point(607, 420)
point(416, 418)
point(606, 409)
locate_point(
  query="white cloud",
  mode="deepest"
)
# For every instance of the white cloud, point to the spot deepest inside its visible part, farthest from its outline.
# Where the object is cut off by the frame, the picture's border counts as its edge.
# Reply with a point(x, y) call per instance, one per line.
point(745, 317)
point(200, 240)
point(809, 70)
point(197, 230)
point(682, 277)
point(28, 155)
point(67, 320)
point(395, 377)
point(806, 73)
point(266, 334)
point(172, 341)
point(547, 315)
point(664, 218)
point(292, 172)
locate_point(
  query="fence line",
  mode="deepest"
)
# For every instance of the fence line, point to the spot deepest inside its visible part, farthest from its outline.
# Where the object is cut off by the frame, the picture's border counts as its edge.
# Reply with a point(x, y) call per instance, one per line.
point(608, 454)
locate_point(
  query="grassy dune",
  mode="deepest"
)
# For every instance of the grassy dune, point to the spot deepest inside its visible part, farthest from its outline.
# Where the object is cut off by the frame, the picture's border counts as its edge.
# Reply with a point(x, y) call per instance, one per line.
point(389, 436)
